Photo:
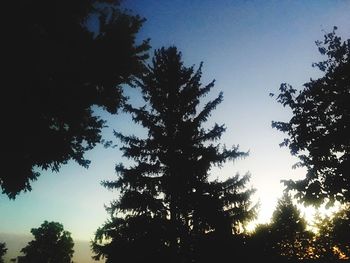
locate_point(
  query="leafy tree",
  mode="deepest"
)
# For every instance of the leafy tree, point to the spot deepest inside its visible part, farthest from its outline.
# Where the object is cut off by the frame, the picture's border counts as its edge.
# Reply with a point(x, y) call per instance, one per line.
point(65, 57)
point(51, 244)
point(318, 132)
point(341, 230)
point(332, 240)
point(167, 204)
point(3, 251)
point(323, 242)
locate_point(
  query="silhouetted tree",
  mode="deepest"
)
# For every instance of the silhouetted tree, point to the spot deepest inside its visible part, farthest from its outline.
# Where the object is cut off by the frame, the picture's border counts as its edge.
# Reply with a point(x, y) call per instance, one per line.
point(341, 230)
point(51, 244)
point(236, 200)
point(261, 242)
point(65, 57)
point(289, 230)
point(166, 202)
point(229, 209)
point(318, 132)
point(332, 239)
point(285, 238)
point(323, 242)
point(3, 251)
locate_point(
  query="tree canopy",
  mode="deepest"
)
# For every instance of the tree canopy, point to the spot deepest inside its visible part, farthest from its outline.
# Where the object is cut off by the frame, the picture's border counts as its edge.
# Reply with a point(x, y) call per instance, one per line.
point(332, 240)
point(285, 237)
point(318, 132)
point(51, 244)
point(65, 57)
point(167, 205)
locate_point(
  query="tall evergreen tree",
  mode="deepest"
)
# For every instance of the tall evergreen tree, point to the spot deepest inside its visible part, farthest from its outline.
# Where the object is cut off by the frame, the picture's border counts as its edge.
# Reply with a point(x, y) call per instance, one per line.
point(167, 203)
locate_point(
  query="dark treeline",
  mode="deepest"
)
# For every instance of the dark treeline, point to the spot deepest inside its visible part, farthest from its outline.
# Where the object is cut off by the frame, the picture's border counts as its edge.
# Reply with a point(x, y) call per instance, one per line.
point(169, 209)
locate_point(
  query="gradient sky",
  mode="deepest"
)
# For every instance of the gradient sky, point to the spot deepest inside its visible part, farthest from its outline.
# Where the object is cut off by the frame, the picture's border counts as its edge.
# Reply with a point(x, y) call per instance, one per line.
point(250, 48)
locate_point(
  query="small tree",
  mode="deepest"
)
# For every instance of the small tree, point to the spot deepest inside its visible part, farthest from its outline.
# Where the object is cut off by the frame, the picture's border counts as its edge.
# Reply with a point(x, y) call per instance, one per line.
point(285, 238)
point(51, 244)
point(318, 132)
point(289, 230)
point(3, 251)
point(167, 204)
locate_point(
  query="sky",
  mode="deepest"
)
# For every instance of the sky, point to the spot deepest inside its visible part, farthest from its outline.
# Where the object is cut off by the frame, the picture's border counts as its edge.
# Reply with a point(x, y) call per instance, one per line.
point(249, 48)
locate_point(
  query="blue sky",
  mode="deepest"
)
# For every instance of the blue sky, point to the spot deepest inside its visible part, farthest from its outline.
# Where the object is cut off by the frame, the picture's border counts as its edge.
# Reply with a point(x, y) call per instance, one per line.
point(250, 48)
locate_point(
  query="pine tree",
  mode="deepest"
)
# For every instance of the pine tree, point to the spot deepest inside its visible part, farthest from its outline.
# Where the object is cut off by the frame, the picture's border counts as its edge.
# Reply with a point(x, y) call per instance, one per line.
point(288, 230)
point(167, 203)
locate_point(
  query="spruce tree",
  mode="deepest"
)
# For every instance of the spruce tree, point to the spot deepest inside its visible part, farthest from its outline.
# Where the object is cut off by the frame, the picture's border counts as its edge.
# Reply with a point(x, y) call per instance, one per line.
point(289, 235)
point(167, 203)
point(286, 237)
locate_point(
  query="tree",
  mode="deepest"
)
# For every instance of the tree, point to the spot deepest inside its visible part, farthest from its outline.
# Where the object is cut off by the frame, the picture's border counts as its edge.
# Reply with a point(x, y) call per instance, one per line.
point(51, 244)
point(318, 132)
point(289, 230)
point(3, 251)
point(229, 209)
point(341, 230)
point(167, 204)
point(285, 238)
point(65, 57)
point(332, 240)
point(235, 200)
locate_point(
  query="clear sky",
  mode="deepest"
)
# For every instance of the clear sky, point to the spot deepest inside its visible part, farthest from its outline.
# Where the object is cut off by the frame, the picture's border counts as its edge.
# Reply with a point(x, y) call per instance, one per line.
point(250, 48)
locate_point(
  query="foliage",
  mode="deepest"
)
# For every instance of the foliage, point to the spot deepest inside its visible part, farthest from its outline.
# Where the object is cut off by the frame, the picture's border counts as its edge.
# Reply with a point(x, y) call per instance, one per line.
point(51, 244)
point(285, 238)
point(235, 200)
point(289, 230)
point(318, 132)
point(65, 57)
point(333, 240)
point(167, 205)
point(3, 251)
